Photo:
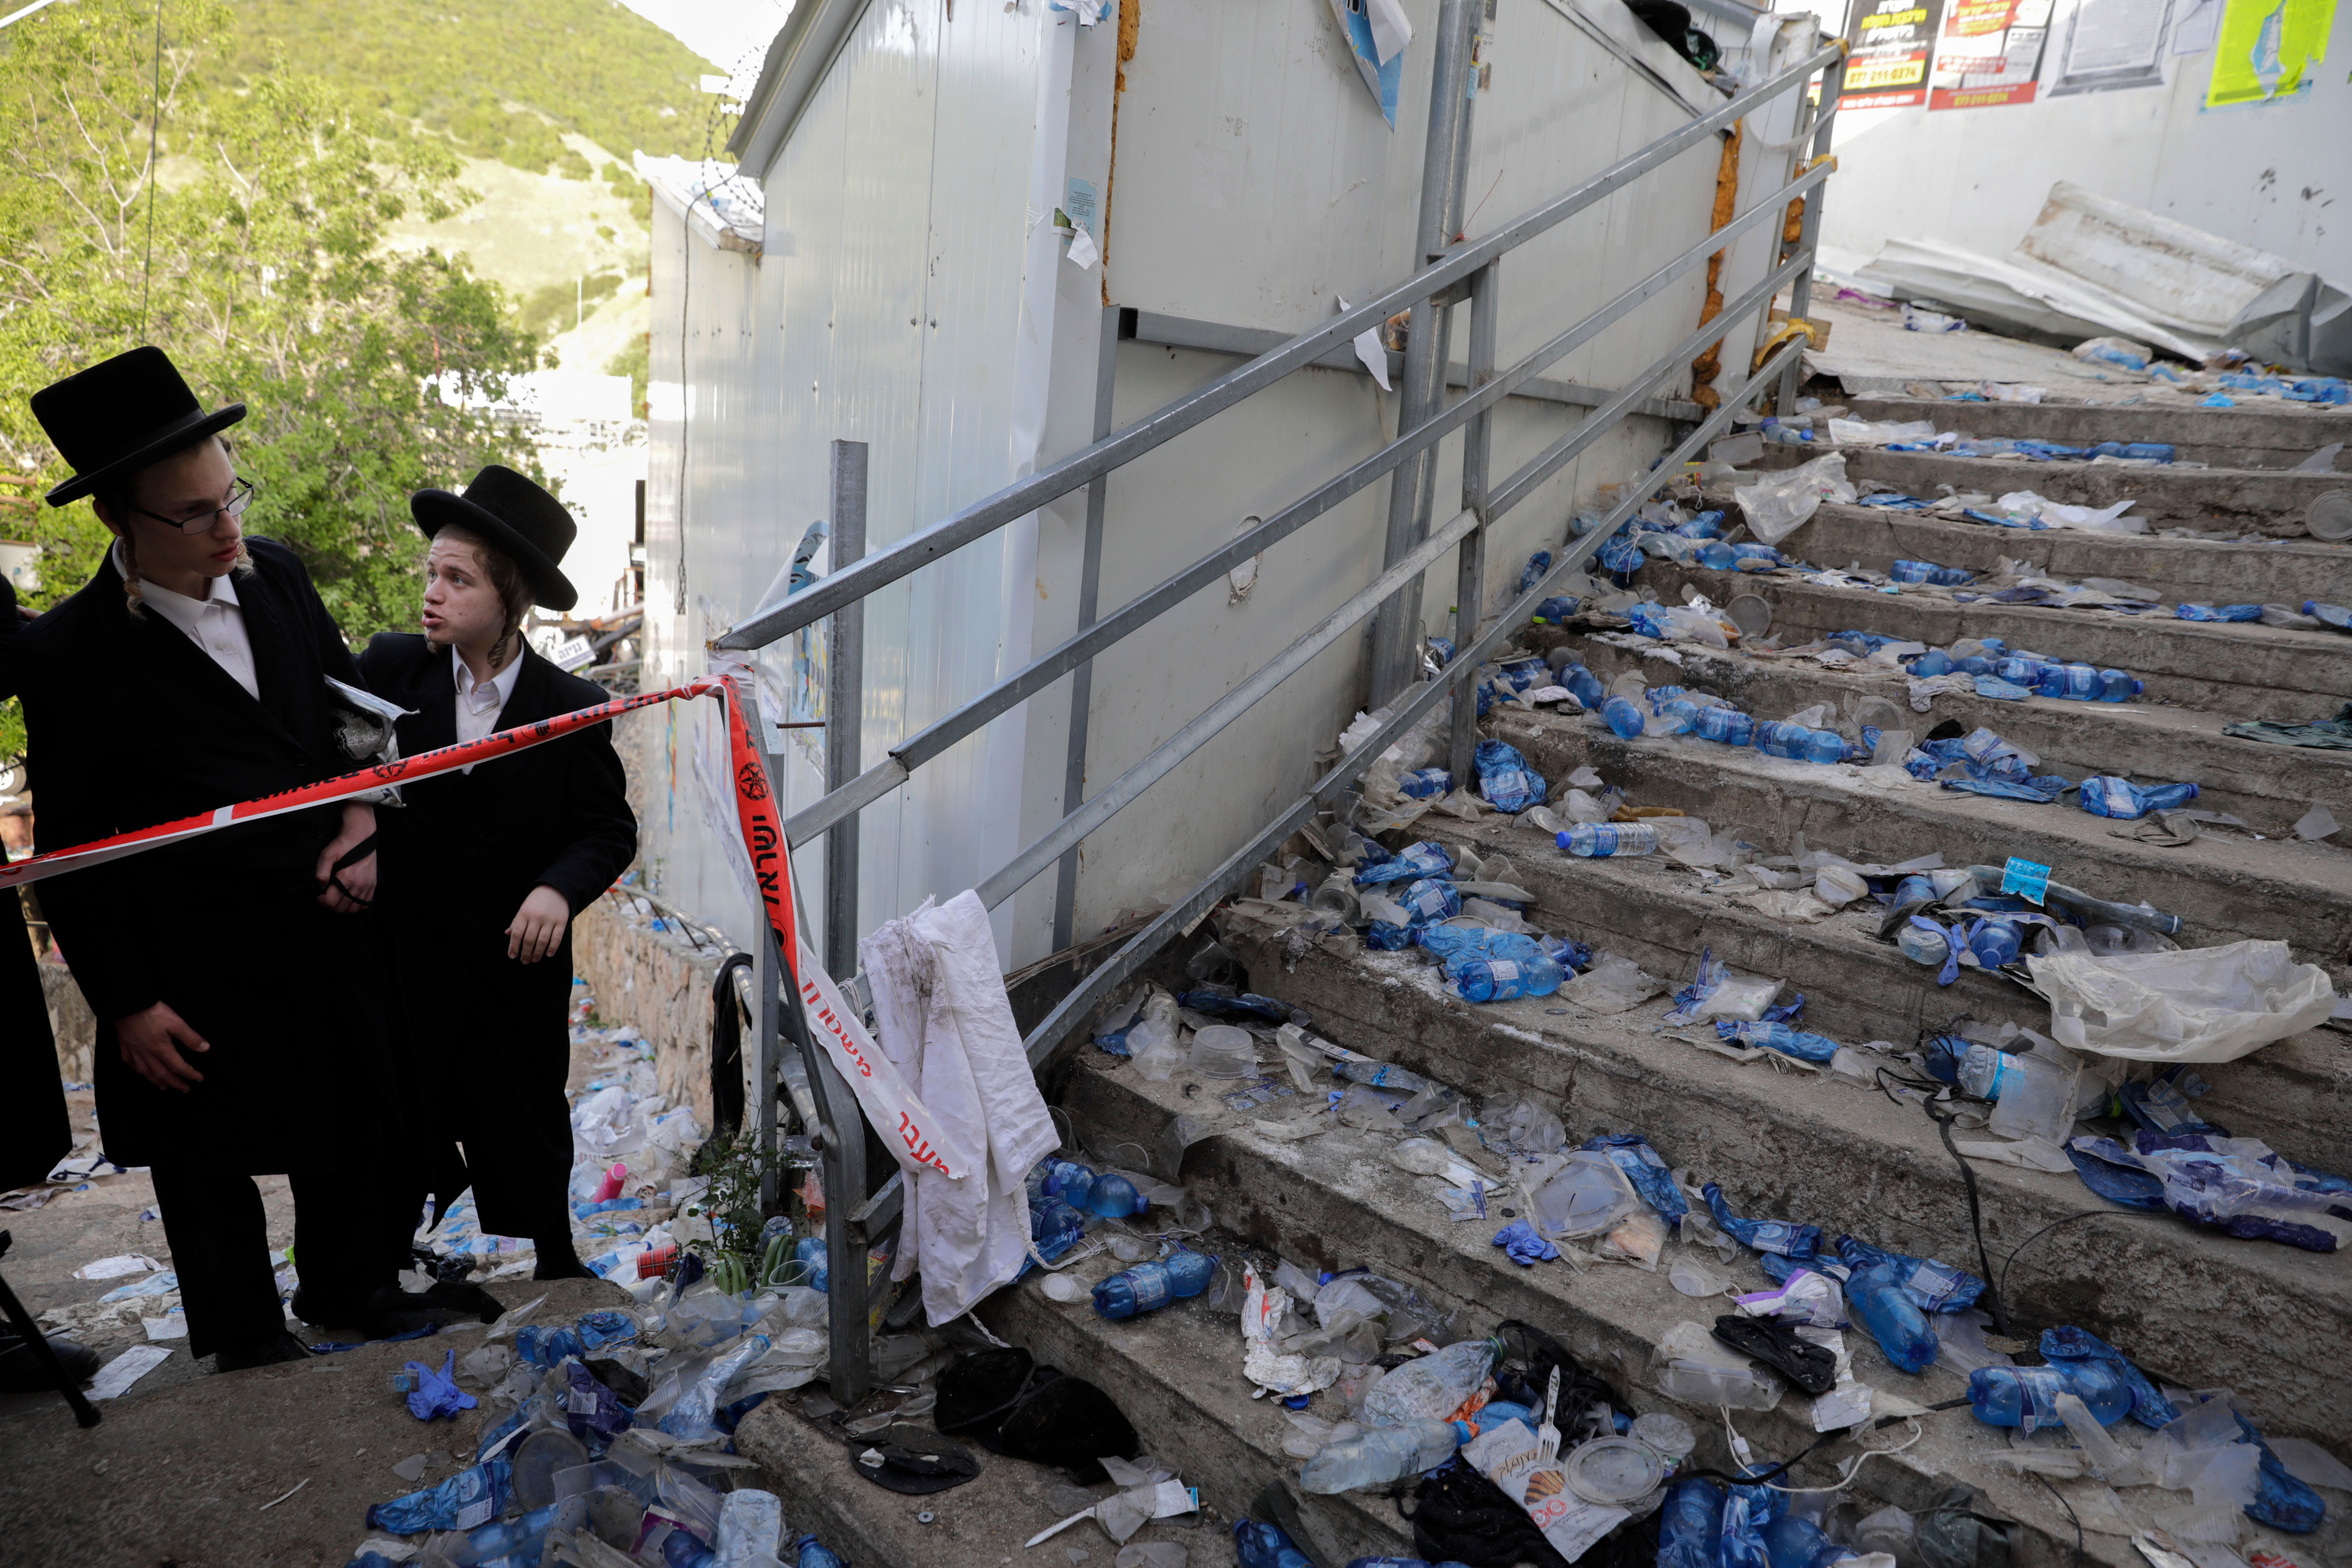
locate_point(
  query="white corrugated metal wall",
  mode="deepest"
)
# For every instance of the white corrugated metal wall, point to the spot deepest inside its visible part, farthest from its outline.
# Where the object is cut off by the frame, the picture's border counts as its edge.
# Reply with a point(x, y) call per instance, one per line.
point(1254, 180)
point(902, 300)
point(910, 296)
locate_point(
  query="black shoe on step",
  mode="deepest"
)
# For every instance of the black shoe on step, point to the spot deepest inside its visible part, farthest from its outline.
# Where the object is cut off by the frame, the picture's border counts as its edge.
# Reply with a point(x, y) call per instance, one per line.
point(461, 1296)
point(285, 1347)
point(378, 1315)
point(563, 1268)
point(22, 1371)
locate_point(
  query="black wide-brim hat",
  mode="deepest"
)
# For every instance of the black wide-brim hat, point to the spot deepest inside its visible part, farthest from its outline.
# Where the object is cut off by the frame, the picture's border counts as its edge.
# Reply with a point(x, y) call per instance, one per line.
point(514, 516)
point(114, 418)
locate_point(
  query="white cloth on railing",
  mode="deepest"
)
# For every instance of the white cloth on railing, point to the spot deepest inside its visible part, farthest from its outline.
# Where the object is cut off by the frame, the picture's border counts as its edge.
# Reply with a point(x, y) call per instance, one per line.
point(944, 1020)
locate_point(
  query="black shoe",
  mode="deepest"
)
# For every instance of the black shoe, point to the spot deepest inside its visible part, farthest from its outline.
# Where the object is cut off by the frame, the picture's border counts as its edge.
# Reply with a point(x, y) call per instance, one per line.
point(379, 1315)
point(22, 1371)
point(459, 1296)
point(563, 1268)
point(285, 1347)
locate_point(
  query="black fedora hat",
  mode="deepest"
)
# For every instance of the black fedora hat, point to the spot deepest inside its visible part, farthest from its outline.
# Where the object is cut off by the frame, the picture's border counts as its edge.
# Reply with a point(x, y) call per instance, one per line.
point(120, 415)
point(515, 516)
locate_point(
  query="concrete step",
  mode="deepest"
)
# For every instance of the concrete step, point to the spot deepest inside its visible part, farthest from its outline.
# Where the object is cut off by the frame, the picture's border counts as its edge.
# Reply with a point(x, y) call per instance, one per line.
point(2196, 1308)
point(2296, 893)
point(1858, 988)
point(809, 1465)
point(1335, 1203)
point(1177, 1376)
point(2233, 500)
point(2277, 572)
point(2272, 435)
point(2271, 787)
point(2241, 670)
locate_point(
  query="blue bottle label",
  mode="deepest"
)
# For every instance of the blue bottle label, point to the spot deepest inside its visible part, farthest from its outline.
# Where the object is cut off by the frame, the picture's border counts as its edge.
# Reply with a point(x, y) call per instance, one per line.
point(2038, 1406)
point(1935, 1282)
point(1150, 1288)
point(2026, 879)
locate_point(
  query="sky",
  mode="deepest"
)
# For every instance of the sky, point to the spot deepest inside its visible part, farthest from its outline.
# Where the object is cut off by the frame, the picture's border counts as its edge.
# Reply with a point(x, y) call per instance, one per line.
point(733, 35)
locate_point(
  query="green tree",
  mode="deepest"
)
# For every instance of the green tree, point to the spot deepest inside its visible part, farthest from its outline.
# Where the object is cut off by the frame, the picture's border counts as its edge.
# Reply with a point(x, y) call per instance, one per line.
point(268, 278)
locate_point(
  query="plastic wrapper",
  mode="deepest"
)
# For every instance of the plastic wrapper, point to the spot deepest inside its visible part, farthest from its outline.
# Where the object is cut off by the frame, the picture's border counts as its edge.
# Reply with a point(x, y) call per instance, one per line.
point(1777, 506)
point(1613, 983)
point(2238, 1186)
point(2202, 1004)
point(1719, 993)
point(1588, 1194)
point(1432, 1387)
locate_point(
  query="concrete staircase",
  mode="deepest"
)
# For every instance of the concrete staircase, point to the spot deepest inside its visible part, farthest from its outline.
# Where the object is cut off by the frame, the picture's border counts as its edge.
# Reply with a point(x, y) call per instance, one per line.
point(2198, 1310)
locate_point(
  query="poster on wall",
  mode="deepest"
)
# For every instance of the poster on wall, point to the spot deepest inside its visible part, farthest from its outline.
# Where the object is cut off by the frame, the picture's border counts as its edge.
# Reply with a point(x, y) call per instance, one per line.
point(2110, 44)
point(2266, 50)
point(1892, 42)
point(1989, 53)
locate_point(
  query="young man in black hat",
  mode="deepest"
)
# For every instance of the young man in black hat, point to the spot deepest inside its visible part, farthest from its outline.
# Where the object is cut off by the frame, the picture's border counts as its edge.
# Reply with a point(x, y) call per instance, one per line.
point(239, 1029)
point(486, 869)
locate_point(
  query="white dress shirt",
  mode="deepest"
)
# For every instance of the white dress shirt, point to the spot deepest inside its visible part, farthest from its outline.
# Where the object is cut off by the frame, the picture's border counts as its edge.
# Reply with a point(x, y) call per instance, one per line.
point(215, 624)
point(479, 704)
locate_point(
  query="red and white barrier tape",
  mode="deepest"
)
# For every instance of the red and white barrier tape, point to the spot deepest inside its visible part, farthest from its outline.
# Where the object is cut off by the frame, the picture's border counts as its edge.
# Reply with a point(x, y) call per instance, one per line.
point(889, 1102)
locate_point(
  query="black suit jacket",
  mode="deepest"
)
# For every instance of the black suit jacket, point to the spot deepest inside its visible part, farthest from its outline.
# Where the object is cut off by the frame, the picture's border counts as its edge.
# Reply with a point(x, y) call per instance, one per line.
point(35, 1132)
point(130, 724)
point(474, 845)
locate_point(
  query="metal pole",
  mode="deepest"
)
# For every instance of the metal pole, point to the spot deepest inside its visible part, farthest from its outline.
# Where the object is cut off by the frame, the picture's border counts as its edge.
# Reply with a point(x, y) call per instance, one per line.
point(1470, 574)
point(845, 703)
point(1082, 679)
point(768, 1029)
point(1396, 625)
point(1800, 292)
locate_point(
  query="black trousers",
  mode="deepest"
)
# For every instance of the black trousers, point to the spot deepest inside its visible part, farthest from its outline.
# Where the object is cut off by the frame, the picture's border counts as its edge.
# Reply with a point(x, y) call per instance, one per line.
point(348, 1241)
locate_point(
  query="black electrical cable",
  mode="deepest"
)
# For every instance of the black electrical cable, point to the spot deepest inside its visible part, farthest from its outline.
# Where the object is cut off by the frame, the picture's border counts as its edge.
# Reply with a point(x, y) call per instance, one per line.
point(2053, 1225)
point(2069, 1507)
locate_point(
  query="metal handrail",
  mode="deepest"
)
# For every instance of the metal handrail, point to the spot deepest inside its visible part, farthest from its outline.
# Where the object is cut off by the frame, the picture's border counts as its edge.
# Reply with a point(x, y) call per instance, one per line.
point(857, 1221)
point(1083, 645)
point(1018, 500)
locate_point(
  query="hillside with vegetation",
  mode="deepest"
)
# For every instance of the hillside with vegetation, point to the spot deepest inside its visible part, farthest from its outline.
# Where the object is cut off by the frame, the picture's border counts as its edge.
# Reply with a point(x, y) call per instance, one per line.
point(299, 240)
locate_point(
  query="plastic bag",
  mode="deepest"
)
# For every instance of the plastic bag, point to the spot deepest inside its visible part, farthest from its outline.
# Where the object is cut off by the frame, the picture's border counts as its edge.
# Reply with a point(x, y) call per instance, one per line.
point(1432, 1388)
point(1614, 983)
point(1505, 780)
point(1719, 993)
point(1588, 1194)
point(2203, 1004)
point(1777, 507)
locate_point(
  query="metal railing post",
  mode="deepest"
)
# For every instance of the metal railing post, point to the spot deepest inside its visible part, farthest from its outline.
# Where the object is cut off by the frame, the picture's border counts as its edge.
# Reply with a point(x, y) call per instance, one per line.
point(1396, 626)
point(1800, 292)
point(844, 710)
point(768, 1074)
point(841, 1151)
point(1470, 564)
point(1082, 679)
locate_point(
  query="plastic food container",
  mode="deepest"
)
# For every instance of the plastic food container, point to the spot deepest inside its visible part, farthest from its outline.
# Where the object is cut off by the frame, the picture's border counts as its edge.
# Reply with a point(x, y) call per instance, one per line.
point(1615, 1472)
point(1670, 1437)
point(1222, 1050)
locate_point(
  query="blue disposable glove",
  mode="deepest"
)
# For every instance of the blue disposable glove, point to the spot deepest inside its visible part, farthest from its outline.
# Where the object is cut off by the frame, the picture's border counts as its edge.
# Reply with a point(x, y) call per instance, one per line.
point(436, 1393)
point(1523, 1245)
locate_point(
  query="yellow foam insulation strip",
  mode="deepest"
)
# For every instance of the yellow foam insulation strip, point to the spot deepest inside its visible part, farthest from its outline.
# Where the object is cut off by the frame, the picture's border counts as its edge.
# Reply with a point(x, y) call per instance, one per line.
point(1705, 368)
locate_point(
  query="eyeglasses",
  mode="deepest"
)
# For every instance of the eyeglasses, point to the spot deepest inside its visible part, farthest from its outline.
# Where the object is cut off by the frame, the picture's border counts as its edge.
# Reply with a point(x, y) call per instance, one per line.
point(240, 497)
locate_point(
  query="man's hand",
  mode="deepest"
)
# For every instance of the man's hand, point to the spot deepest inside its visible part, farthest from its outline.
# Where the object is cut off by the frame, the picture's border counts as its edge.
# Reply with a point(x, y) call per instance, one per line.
point(358, 878)
point(538, 927)
point(151, 1042)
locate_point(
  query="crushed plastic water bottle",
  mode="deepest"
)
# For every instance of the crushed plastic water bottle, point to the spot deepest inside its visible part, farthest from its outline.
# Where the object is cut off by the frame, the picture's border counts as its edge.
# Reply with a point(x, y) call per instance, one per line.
point(2125, 801)
point(1929, 572)
point(1623, 717)
point(1601, 840)
point(1505, 780)
point(1426, 784)
point(1480, 978)
point(470, 1498)
point(1879, 1304)
point(2027, 1396)
point(1148, 1287)
point(1788, 1041)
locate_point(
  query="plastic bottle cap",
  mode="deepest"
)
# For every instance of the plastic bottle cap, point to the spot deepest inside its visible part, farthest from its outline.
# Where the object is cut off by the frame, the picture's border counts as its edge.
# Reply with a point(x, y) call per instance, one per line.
point(1615, 1471)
